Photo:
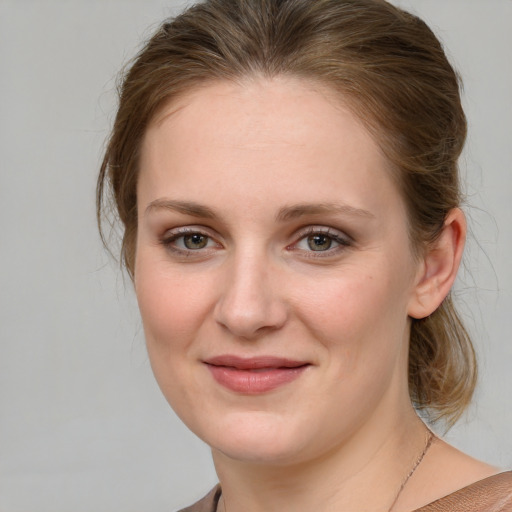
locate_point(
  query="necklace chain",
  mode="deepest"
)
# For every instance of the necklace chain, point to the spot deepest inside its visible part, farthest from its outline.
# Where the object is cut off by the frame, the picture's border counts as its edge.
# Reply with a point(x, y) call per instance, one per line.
point(428, 444)
point(430, 438)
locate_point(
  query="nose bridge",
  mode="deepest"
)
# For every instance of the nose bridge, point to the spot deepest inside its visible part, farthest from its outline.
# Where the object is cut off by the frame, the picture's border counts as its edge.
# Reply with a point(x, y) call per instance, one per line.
point(250, 303)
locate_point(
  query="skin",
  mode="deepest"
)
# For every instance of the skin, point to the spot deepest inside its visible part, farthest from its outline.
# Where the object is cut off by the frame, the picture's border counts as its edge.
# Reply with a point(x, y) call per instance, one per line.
point(244, 168)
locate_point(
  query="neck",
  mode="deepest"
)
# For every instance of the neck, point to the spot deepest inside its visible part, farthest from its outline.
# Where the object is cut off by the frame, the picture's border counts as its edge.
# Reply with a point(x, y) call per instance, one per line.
point(363, 473)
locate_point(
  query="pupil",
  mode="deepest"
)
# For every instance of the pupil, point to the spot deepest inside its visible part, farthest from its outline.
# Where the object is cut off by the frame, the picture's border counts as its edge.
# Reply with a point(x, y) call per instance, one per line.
point(195, 241)
point(319, 242)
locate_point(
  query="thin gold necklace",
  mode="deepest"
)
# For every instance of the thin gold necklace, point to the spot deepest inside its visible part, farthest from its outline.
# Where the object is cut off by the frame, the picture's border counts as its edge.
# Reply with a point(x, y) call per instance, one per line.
point(428, 444)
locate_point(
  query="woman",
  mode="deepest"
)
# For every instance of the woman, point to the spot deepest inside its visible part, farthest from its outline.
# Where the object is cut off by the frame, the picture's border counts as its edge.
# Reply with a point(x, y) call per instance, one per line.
point(286, 174)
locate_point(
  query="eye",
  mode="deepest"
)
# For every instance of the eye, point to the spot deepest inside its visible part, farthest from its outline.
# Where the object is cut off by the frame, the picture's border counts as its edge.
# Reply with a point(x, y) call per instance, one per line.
point(195, 241)
point(186, 241)
point(321, 240)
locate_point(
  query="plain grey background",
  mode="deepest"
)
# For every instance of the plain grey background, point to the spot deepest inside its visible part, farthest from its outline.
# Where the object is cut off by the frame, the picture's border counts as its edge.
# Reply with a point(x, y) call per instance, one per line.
point(82, 424)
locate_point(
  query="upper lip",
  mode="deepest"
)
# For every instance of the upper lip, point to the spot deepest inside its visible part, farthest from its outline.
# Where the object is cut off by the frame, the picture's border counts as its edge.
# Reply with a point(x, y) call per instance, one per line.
point(254, 363)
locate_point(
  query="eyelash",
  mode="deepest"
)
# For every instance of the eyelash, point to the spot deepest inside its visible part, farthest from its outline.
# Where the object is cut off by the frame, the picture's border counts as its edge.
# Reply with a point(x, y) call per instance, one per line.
point(343, 242)
point(169, 242)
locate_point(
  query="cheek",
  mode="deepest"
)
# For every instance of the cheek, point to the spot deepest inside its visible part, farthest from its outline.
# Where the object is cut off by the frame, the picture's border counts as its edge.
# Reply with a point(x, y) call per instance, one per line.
point(362, 323)
point(359, 315)
point(354, 299)
point(173, 308)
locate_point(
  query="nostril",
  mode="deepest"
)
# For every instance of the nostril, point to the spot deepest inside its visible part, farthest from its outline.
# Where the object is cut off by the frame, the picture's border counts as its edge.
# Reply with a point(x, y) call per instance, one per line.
point(250, 304)
point(250, 320)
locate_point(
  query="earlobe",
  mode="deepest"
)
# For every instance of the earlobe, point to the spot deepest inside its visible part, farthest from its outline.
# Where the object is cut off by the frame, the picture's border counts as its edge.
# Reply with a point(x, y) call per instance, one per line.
point(439, 266)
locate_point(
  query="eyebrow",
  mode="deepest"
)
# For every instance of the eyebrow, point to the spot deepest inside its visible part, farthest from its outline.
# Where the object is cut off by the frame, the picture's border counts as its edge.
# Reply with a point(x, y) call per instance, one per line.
point(299, 210)
point(185, 207)
point(285, 214)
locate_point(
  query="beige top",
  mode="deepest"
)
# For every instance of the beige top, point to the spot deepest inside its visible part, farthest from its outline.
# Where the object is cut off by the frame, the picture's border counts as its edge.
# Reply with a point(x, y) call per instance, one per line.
point(493, 494)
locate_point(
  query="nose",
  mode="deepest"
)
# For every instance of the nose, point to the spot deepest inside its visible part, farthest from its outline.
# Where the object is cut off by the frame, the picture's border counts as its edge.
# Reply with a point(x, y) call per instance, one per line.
point(250, 304)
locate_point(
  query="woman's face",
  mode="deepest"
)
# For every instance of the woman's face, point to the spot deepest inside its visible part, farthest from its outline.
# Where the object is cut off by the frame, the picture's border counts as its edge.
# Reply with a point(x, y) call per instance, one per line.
point(273, 272)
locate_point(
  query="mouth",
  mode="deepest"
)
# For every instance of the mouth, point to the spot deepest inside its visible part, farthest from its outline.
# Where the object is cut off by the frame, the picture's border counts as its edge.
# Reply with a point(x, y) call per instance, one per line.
point(254, 375)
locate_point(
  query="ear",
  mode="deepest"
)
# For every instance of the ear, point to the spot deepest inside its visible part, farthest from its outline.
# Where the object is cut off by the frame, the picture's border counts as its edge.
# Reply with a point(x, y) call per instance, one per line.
point(439, 266)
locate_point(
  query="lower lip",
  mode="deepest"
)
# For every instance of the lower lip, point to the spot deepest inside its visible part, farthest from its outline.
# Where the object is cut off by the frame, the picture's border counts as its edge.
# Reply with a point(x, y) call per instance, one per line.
point(253, 382)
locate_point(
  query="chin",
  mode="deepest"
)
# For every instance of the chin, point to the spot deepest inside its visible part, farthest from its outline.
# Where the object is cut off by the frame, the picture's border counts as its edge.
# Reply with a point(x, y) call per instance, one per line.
point(257, 437)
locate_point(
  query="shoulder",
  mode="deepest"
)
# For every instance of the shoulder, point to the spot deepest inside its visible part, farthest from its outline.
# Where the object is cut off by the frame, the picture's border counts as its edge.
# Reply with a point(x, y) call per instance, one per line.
point(492, 494)
point(449, 480)
point(206, 504)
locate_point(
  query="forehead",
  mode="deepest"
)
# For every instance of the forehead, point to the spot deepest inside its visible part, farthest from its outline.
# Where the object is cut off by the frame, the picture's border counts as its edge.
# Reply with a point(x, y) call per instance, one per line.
point(283, 108)
point(282, 137)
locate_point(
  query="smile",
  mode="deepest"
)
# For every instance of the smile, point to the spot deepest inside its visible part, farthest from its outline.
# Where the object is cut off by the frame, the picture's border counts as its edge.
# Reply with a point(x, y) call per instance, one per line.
point(254, 376)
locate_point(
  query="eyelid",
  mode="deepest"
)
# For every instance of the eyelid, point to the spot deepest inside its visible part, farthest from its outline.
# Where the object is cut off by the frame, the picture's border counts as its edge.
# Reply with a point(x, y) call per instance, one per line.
point(340, 237)
point(171, 235)
point(325, 230)
point(343, 240)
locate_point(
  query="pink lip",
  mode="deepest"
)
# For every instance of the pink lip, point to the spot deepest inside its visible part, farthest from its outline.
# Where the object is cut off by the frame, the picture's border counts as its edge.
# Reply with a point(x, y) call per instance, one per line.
point(256, 374)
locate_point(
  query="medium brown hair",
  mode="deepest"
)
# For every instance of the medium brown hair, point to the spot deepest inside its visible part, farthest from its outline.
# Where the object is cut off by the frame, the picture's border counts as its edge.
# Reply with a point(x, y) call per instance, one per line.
point(386, 65)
